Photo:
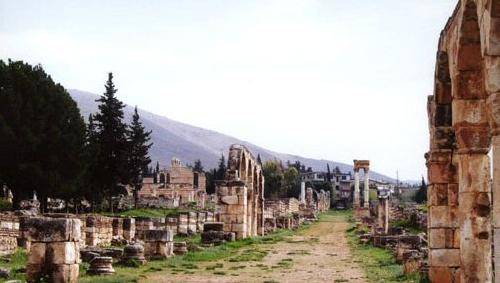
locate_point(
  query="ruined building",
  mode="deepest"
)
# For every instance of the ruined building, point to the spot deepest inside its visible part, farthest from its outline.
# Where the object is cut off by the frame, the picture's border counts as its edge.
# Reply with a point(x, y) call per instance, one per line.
point(241, 194)
point(464, 119)
point(176, 185)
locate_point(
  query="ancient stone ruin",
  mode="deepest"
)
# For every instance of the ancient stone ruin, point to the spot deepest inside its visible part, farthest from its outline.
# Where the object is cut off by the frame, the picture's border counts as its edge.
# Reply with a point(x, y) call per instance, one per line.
point(173, 187)
point(464, 119)
point(241, 194)
point(54, 251)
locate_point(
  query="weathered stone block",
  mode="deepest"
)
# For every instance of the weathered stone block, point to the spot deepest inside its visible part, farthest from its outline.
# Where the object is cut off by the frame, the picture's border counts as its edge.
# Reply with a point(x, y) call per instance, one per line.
point(473, 139)
point(437, 238)
point(229, 200)
point(443, 274)
point(439, 195)
point(213, 226)
point(37, 253)
point(158, 235)
point(62, 253)
point(444, 257)
point(439, 217)
point(53, 229)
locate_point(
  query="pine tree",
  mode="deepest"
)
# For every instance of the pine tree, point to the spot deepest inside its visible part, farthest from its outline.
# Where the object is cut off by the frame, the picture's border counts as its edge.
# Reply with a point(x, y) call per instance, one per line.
point(90, 185)
point(198, 167)
point(328, 173)
point(139, 145)
point(259, 161)
point(113, 144)
point(221, 170)
point(421, 194)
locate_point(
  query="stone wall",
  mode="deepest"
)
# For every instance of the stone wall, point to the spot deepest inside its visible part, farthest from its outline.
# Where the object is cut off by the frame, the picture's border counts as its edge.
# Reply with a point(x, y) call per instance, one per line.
point(98, 230)
point(9, 232)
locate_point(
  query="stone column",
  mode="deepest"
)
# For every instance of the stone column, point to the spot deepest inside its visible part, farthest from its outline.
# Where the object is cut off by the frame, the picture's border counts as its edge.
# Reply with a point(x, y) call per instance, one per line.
point(129, 228)
point(493, 88)
point(443, 226)
point(366, 192)
point(303, 192)
point(55, 251)
point(383, 214)
point(356, 189)
point(496, 195)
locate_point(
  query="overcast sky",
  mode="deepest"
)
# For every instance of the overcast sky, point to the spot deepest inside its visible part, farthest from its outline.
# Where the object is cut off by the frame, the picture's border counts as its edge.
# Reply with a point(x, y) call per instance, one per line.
point(339, 80)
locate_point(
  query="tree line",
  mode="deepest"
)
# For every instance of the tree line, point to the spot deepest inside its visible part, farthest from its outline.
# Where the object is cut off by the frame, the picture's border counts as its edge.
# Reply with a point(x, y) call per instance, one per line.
point(46, 146)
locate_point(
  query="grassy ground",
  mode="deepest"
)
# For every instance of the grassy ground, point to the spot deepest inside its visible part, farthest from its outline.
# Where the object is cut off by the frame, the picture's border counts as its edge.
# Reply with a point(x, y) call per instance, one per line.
point(379, 264)
point(147, 212)
point(249, 249)
point(17, 264)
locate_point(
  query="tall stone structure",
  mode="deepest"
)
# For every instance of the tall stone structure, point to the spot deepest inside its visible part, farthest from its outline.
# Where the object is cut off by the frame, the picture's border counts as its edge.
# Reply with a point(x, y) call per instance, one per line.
point(464, 119)
point(54, 252)
point(365, 165)
point(241, 194)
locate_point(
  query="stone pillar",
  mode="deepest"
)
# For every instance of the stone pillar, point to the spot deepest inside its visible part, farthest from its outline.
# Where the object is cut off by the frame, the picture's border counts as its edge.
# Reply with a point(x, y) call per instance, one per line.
point(118, 227)
point(472, 132)
point(129, 229)
point(158, 244)
point(303, 192)
point(55, 251)
point(383, 214)
point(182, 227)
point(192, 227)
point(233, 208)
point(366, 191)
point(355, 198)
point(494, 110)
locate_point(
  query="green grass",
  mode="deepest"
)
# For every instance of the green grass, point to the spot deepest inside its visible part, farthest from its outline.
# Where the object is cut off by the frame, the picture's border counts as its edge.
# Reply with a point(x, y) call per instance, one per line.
point(147, 212)
point(248, 249)
point(379, 264)
point(16, 264)
point(407, 225)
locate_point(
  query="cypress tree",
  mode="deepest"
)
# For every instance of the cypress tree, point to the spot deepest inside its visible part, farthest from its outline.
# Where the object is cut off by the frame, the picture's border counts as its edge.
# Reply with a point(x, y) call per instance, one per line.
point(198, 167)
point(42, 134)
point(221, 170)
point(113, 144)
point(139, 145)
point(328, 173)
point(259, 161)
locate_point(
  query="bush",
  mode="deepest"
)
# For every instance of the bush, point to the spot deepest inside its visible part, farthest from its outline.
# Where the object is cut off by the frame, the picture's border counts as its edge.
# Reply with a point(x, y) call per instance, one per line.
point(5, 205)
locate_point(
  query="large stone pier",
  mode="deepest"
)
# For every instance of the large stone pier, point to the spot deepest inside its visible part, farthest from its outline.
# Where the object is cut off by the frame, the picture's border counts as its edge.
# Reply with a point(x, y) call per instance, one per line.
point(464, 114)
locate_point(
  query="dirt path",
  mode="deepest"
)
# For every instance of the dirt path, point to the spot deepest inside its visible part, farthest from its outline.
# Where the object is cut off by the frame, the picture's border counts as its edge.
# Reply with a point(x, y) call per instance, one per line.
point(318, 254)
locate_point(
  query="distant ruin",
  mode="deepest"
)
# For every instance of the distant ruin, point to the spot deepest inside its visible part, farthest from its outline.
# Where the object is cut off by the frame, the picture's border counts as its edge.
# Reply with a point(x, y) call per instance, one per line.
point(173, 187)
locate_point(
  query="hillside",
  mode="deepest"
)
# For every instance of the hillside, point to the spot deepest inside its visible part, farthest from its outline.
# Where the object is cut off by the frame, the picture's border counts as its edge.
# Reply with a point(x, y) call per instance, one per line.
point(188, 143)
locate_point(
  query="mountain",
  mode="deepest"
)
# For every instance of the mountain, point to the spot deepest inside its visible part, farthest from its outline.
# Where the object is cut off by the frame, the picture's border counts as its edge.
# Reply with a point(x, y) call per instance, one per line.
point(189, 143)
